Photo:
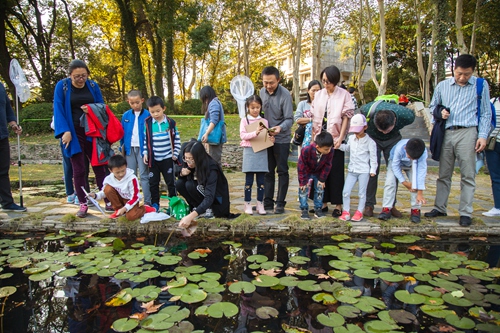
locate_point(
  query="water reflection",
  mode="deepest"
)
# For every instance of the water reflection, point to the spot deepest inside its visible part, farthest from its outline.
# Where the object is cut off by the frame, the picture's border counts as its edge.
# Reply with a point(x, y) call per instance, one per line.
point(76, 304)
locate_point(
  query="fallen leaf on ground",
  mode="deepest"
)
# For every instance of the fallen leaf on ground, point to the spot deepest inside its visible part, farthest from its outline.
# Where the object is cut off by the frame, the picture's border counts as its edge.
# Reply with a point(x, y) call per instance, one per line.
point(483, 239)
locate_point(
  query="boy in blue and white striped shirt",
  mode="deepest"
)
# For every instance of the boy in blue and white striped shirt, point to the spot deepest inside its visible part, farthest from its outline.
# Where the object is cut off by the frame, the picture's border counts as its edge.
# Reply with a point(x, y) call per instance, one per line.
point(162, 144)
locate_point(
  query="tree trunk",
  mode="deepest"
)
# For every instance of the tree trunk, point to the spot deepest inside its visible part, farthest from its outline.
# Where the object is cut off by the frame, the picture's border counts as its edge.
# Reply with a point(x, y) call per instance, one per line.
point(442, 16)
point(383, 50)
point(5, 57)
point(458, 26)
point(70, 30)
point(371, 46)
point(474, 27)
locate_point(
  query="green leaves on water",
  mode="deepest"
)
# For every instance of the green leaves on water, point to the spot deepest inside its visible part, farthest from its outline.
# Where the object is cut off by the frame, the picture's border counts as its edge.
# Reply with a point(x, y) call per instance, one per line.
point(331, 319)
point(242, 286)
point(222, 309)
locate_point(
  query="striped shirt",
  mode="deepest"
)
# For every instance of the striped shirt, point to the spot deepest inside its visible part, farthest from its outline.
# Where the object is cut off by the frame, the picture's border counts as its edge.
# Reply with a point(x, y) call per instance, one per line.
point(462, 102)
point(162, 147)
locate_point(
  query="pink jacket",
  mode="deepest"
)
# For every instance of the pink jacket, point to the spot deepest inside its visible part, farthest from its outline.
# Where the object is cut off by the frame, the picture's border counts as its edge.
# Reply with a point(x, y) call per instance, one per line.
point(339, 104)
point(246, 137)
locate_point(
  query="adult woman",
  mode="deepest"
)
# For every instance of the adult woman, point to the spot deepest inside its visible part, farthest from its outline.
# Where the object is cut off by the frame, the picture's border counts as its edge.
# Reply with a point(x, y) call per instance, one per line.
point(332, 108)
point(212, 108)
point(493, 160)
point(70, 95)
point(303, 115)
point(202, 183)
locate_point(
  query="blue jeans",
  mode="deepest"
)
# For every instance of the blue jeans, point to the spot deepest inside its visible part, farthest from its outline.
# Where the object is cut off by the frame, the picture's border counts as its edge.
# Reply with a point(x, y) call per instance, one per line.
point(493, 160)
point(318, 195)
point(68, 172)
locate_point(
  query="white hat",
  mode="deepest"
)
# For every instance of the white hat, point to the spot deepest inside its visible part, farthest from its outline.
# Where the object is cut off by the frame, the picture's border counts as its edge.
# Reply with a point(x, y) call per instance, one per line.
point(358, 123)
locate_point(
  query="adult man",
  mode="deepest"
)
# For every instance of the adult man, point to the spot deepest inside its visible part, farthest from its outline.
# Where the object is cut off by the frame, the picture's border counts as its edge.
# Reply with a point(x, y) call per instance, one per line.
point(385, 120)
point(465, 135)
point(7, 117)
point(278, 110)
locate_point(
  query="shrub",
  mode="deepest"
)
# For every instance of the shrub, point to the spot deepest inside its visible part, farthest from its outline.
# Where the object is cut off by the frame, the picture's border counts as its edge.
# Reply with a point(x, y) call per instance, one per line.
point(36, 118)
point(230, 107)
point(191, 107)
point(119, 108)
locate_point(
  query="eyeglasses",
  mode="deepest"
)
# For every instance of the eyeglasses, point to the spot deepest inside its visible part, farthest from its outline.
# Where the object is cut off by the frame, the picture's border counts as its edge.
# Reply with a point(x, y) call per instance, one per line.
point(325, 81)
point(80, 77)
point(188, 160)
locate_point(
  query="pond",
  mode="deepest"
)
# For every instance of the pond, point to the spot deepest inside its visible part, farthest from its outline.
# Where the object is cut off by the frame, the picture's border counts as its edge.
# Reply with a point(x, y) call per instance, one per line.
point(100, 283)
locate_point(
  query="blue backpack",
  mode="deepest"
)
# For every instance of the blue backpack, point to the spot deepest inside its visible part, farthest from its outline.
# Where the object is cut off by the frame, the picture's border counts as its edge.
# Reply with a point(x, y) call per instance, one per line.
point(479, 85)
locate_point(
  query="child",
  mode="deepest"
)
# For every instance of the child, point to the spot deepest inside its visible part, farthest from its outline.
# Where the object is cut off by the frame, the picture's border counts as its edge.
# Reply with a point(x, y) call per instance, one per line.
point(406, 155)
point(315, 163)
point(162, 145)
point(253, 163)
point(132, 142)
point(121, 188)
point(362, 165)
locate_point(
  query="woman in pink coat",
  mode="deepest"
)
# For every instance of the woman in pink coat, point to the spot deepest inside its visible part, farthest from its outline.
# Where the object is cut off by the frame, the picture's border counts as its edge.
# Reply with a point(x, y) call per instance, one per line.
point(332, 108)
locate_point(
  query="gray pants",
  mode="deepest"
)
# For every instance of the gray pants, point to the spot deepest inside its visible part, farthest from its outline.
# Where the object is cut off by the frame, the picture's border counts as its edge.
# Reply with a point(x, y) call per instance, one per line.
point(391, 185)
point(457, 145)
point(215, 151)
point(134, 162)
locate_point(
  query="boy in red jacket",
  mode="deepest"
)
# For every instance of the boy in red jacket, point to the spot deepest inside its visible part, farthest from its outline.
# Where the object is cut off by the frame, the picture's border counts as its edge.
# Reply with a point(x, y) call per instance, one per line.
point(315, 163)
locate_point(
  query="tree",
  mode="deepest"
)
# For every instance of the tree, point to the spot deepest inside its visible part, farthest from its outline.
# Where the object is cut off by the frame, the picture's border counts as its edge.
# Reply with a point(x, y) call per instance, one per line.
point(381, 87)
point(321, 13)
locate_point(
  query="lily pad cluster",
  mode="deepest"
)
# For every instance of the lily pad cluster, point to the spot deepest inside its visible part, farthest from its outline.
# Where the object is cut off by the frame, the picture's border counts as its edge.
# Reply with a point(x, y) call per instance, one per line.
point(416, 286)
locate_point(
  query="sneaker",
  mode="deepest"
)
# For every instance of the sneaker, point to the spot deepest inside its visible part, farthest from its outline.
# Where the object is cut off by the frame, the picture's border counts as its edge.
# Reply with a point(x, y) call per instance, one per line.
point(279, 209)
point(156, 207)
point(385, 215)
point(396, 213)
point(492, 212)
point(368, 211)
point(90, 203)
point(149, 209)
point(14, 208)
point(415, 216)
point(109, 207)
point(324, 210)
point(209, 214)
point(305, 215)
point(345, 216)
point(358, 216)
point(71, 198)
point(83, 211)
point(318, 213)
point(76, 202)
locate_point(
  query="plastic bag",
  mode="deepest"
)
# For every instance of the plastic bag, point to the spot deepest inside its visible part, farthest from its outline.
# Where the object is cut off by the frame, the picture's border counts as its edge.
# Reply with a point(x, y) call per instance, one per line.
point(177, 207)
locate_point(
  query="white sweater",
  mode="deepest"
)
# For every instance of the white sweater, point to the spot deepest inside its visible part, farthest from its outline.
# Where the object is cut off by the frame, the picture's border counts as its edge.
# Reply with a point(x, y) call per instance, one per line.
point(127, 188)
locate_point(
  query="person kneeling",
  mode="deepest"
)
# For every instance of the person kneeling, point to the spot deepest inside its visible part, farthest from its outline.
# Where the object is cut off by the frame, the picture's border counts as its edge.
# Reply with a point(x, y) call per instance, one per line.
point(202, 183)
point(121, 188)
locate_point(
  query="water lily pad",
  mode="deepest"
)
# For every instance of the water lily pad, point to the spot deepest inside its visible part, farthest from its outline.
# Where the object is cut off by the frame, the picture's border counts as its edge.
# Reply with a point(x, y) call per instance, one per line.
point(293, 249)
point(6, 276)
point(349, 328)
point(330, 320)
point(405, 297)
point(289, 281)
point(366, 273)
point(456, 299)
point(340, 238)
point(339, 264)
point(120, 298)
point(147, 297)
point(218, 310)
point(265, 281)
point(150, 274)
point(384, 316)
point(196, 255)
point(107, 272)
point(402, 257)
point(485, 276)
point(309, 285)
point(266, 312)
point(324, 298)
point(242, 286)
point(157, 322)
point(36, 270)
point(492, 298)
point(302, 272)
point(436, 311)
point(423, 277)
point(257, 258)
point(68, 272)
point(7, 291)
point(402, 316)
point(375, 326)
point(427, 291)
point(348, 311)
point(388, 245)
point(20, 263)
point(178, 315)
point(448, 276)
point(347, 295)
point(124, 324)
point(476, 264)
point(271, 265)
point(483, 327)
point(448, 285)
point(369, 304)
point(330, 287)
point(195, 269)
point(406, 239)
point(461, 323)
point(391, 277)
point(339, 275)
point(168, 260)
point(193, 296)
point(299, 260)
point(41, 276)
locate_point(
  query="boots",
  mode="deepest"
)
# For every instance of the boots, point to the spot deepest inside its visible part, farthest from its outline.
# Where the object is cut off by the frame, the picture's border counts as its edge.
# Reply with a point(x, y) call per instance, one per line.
point(248, 208)
point(260, 208)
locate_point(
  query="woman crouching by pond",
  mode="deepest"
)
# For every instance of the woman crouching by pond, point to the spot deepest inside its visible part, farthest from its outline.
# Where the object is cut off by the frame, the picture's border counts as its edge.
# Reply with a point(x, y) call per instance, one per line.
point(202, 183)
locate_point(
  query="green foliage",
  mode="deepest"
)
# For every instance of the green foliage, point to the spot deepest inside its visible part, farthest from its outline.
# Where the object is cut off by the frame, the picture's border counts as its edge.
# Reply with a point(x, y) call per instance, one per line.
point(119, 108)
point(190, 107)
point(36, 118)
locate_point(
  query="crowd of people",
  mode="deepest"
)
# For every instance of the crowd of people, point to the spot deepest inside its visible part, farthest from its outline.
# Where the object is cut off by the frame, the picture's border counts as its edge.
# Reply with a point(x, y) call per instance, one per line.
point(151, 148)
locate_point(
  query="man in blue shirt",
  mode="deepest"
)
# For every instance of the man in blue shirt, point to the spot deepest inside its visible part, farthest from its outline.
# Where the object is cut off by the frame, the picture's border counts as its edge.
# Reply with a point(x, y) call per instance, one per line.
point(7, 117)
point(465, 135)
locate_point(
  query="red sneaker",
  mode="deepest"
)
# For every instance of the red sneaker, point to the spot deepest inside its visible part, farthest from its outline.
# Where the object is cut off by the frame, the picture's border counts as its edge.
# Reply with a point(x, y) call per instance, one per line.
point(358, 216)
point(385, 215)
point(114, 215)
point(149, 209)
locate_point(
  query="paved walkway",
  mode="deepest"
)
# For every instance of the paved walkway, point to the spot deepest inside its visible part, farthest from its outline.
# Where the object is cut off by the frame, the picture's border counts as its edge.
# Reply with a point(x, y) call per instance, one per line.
point(48, 214)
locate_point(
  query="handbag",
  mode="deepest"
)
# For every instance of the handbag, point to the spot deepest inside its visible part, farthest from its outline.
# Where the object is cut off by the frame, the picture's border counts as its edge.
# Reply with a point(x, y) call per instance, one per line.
point(216, 137)
point(298, 136)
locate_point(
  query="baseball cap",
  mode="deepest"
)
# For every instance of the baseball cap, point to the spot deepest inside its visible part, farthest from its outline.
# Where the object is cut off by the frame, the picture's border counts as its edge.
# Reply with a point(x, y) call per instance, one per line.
point(358, 122)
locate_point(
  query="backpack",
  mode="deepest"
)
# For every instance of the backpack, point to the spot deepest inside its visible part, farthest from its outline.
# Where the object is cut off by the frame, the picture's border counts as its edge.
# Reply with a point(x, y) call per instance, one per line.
point(479, 86)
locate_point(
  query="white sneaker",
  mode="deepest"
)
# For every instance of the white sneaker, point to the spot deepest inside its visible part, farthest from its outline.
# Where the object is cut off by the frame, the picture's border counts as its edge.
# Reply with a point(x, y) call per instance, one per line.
point(492, 212)
point(209, 214)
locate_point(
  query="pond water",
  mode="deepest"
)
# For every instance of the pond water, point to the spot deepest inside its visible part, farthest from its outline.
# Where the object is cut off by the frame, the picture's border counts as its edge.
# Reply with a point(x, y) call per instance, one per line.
point(101, 283)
